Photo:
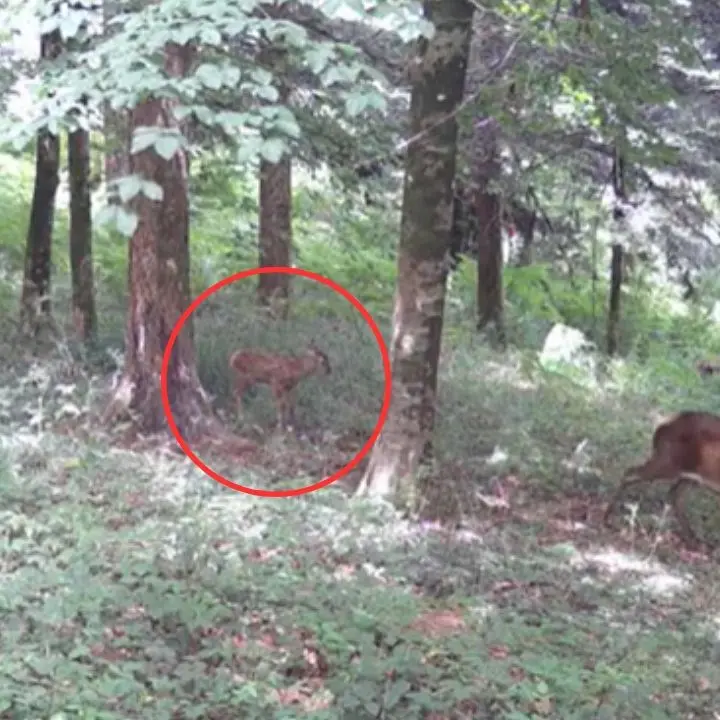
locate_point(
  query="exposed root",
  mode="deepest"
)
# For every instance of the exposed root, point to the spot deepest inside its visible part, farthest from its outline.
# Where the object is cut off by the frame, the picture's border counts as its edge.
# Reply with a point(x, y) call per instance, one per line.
point(202, 431)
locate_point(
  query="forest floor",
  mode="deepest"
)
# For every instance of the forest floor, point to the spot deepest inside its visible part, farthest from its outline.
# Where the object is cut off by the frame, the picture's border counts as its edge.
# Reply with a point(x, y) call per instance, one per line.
point(136, 587)
point(133, 586)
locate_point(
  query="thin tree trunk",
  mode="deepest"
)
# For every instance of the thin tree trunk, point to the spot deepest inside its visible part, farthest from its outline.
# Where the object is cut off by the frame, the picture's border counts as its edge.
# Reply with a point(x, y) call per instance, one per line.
point(422, 259)
point(81, 265)
point(524, 219)
point(616, 271)
point(275, 226)
point(35, 306)
point(275, 234)
point(117, 128)
point(486, 171)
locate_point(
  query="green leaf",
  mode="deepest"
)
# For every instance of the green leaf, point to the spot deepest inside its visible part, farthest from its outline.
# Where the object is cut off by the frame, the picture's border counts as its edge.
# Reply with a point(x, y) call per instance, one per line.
point(209, 76)
point(231, 119)
point(288, 127)
point(231, 76)
point(143, 138)
point(395, 693)
point(126, 222)
point(50, 24)
point(128, 187)
point(70, 24)
point(318, 58)
point(249, 148)
point(152, 190)
point(167, 145)
point(269, 93)
point(273, 149)
point(106, 215)
point(210, 36)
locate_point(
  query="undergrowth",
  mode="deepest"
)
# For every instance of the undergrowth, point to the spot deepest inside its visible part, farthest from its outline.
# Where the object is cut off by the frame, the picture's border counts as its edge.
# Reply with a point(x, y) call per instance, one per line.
point(133, 586)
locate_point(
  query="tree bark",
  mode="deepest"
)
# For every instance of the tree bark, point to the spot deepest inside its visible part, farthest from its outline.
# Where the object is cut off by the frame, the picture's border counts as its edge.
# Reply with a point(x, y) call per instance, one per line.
point(159, 284)
point(117, 128)
point(275, 226)
point(118, 136)
point(35, 306)
point(488, 213)
point(81, 265)
point(524, 219)
point(616, 272)
point(275, 234)
point(438, 84)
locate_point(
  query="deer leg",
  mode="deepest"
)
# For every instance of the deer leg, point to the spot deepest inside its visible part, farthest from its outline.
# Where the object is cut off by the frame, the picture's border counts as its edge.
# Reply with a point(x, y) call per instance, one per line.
point(638, 475)
point(676, 497)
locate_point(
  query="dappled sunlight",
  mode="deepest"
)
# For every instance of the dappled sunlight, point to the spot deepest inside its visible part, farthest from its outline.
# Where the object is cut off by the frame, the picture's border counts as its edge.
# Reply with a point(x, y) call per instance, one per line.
point(575, 221)
point(650, 575)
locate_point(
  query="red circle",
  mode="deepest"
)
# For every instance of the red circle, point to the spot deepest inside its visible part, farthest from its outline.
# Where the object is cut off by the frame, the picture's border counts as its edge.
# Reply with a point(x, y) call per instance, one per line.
point(386, 370)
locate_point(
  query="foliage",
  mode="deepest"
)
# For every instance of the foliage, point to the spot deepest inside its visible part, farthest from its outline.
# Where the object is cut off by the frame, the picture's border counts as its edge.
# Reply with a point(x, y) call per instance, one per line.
point(135, 587)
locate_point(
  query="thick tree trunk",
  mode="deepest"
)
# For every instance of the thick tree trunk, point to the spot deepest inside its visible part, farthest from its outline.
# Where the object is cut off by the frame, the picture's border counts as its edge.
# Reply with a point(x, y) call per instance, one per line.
point(35, 307)
point(616, 272)
point(488, 212)
point(159, 279)
point(422, 259)
point(275, 234)
point(81, 266)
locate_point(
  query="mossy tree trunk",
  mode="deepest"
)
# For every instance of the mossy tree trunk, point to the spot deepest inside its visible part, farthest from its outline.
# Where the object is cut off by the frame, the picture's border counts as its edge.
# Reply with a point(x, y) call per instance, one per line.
point(35, 306)
point(438, 84)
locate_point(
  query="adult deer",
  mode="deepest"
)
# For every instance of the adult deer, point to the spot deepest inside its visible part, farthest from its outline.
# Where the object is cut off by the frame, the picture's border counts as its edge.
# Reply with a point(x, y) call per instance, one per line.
point(281, 372)
point(686, 450)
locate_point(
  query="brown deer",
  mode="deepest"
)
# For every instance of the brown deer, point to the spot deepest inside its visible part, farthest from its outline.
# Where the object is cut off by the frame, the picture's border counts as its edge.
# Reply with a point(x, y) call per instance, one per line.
point(281, 372)
point(686, 450)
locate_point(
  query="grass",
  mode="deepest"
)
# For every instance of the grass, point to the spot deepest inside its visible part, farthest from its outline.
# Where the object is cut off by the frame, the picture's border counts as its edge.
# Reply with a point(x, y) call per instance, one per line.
point(133, 586)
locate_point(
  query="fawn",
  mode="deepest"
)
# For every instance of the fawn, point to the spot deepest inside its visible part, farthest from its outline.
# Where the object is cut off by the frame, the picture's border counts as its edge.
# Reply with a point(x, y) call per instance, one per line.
point(281, 372)
point(686, 450)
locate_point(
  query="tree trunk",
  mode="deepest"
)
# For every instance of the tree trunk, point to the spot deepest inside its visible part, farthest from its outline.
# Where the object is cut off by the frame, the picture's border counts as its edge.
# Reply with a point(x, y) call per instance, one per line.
point(616, 271)
point(35, 306)
point(118, 135)
point(275, 234)
point(488, 213)
point(524, 219)
point(422, 258)
point(275, 231)
point(159, 279)
point(83, 286)
point(117, 129)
